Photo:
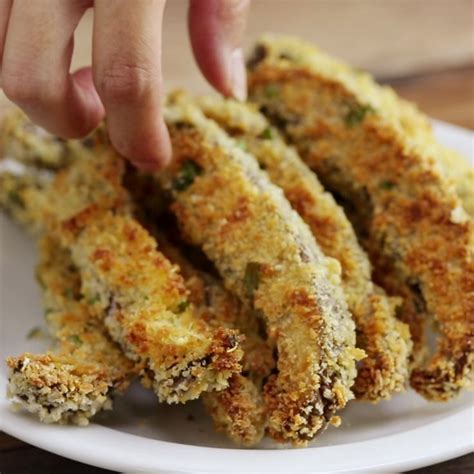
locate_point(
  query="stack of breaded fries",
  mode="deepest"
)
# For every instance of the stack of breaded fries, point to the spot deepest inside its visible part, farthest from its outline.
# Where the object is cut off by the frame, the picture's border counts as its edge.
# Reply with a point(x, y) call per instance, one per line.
point(294, 255)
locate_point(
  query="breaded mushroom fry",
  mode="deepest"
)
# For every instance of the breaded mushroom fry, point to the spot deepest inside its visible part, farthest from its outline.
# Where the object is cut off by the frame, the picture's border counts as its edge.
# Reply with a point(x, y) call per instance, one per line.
point(354, 134)
point(238, 411)
point(385, 340)
point(86, 368)
point(267, 256)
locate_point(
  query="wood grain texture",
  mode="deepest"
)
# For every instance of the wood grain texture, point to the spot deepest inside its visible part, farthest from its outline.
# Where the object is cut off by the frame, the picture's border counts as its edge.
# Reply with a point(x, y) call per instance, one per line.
point(17, 457)
point(446, 95)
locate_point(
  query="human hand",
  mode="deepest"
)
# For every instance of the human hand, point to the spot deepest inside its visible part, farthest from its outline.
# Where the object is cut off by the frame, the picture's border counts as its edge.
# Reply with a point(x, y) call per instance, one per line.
point(125, 80)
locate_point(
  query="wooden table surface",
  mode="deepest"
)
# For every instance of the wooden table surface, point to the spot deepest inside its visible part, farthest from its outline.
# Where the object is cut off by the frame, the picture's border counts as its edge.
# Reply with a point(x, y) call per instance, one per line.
point(437, 74)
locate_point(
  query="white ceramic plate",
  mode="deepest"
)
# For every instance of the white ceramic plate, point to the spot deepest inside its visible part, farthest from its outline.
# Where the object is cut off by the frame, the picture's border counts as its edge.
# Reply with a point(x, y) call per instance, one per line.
point(139, 435)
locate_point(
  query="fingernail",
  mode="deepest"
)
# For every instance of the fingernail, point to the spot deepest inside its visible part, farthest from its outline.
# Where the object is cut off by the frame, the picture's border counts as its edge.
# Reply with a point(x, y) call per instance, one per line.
point(157, 153)
point(238, 75)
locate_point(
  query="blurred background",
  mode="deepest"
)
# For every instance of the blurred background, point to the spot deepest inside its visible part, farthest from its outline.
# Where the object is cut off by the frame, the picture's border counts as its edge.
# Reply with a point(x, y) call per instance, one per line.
point(424, 48)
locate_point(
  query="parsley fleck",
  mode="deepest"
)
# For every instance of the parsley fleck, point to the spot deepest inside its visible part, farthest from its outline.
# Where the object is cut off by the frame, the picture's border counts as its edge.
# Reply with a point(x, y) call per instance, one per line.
point(267, 134)
point(357, 114)
point(88, 142)
point(242, 144)
point(388, 185)
point(252, 278)
point(48, 311)
point(271, 91)
point(186, 175)
point(15, 198)
point(182, 306)
point(69, 293)
point(93, 299)
point(74, 338)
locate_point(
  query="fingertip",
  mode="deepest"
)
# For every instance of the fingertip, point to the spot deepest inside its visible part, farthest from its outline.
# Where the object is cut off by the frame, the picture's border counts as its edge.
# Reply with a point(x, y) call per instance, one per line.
point(216, 30)
point(238, 75)
point(92, 109)
point(148, 150)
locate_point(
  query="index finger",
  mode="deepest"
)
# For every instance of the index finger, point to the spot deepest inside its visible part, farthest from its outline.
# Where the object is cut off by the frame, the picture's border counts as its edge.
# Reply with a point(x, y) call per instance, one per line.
point(127, 75)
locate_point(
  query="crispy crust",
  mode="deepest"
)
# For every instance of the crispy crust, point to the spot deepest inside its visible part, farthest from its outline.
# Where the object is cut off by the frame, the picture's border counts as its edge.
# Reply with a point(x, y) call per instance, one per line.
point(22, 139)
point(19, 189)
point(356, 138)
point(457, 169)
point(129, 284)
point(57, 389)
point(79, 378)
point(238, 411)
point(86, 368)
point(385, 340)
point(454, 167)
point(267, 256)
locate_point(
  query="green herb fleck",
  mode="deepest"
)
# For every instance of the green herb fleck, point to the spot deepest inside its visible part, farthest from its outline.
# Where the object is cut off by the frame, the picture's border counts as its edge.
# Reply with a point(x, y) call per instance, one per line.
point(48, 311)
point(242, 144)
point(271, 91)
point(252, 278)
point(182, 307)
point(69, 293)
point(74, 338)
point(186, 176)
point(34, 332)
point(388, 185)
point(93, 299)
point(357, 114)
point(15, 198)
point(267, 134)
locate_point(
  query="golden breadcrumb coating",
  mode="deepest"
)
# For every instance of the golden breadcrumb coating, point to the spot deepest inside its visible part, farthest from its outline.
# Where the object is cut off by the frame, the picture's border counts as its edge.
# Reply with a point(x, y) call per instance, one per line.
point(385, 340)
point(22, 139)
point(359, 139)
point(455, 167)
point(238, 411)
point(131, 286)
point(267, 256)
point(460, 172)
point(86, 368)
point(19, 187)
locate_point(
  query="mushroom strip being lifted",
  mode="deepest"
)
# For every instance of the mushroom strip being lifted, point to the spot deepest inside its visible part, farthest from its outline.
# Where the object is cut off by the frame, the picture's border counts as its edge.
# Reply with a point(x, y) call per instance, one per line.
point(267, 256)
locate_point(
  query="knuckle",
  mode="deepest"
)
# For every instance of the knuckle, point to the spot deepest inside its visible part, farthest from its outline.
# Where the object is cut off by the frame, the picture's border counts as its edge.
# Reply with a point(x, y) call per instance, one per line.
point(24, 88)
point(125, 82)
point(19, 88)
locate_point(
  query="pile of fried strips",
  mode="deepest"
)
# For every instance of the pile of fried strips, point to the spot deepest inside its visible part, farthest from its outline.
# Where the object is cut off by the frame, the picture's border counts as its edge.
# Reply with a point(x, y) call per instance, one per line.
point(294, 256)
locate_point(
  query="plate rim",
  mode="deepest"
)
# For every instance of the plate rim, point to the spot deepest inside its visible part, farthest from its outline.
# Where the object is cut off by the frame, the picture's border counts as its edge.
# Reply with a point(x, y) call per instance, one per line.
point(417, 447)
point(408, 444)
